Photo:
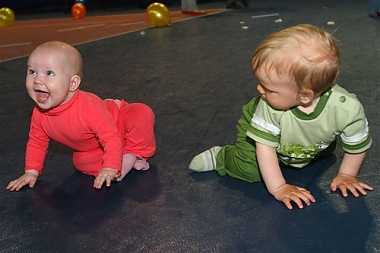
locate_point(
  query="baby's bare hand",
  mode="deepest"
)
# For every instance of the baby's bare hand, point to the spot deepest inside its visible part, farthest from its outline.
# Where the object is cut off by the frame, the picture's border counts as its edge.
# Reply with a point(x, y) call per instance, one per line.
point(288, 193)
point(105, 175)
point(27, 178)
point(347, 183)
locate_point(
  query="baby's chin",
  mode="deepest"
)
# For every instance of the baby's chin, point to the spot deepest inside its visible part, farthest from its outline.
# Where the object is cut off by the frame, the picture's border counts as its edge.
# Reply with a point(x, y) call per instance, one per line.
point(277, 108)
point(44, 106)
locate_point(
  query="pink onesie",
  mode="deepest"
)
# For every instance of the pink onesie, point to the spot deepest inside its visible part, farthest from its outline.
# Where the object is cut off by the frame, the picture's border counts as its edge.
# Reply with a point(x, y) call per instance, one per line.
point(98, 131)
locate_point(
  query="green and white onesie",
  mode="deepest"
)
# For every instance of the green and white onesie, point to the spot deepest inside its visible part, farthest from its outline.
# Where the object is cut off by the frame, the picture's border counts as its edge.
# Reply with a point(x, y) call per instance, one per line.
point(298, 137)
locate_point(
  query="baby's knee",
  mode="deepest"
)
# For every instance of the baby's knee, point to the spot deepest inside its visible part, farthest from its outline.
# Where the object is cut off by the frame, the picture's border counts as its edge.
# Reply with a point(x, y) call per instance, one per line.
point(252, 176)
point(141, 112)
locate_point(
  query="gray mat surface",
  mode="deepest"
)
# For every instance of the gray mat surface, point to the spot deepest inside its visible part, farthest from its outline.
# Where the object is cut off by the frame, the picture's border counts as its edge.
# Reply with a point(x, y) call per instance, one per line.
point(195, 75)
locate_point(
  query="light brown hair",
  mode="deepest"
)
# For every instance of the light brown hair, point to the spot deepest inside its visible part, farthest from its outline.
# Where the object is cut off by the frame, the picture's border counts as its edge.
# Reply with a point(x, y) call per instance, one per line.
point(305, 52)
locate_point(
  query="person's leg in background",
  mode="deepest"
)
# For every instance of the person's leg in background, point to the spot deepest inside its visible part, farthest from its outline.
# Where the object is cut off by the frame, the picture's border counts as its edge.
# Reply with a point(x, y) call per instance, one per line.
point(190, 7)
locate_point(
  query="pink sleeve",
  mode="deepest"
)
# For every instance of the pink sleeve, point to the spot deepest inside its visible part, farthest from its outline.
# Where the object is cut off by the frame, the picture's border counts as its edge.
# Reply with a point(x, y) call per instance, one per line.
point(103, 124)
point(37, 145)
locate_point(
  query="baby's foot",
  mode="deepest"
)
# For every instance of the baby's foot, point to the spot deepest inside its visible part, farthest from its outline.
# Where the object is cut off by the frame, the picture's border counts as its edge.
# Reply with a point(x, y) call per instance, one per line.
point(141, 164)
point(205, 161)
point(128, 161)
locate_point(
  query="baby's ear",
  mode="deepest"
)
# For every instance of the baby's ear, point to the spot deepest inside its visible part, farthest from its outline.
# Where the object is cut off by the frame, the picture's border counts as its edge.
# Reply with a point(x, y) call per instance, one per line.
point(306, 96)
point(75, 82)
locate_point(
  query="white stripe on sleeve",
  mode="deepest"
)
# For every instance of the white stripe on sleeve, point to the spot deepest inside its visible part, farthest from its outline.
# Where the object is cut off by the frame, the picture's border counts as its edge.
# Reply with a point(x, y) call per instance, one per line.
point(266, 125)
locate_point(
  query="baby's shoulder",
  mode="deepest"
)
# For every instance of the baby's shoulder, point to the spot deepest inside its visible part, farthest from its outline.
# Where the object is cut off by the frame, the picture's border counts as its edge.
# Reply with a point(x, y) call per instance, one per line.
point(88, 96)
point(341, 95)
point(88, 102)
point(341, 99)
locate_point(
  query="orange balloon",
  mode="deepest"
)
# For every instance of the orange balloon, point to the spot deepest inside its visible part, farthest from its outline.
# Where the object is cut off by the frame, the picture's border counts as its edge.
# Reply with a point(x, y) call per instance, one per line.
point(78, 10)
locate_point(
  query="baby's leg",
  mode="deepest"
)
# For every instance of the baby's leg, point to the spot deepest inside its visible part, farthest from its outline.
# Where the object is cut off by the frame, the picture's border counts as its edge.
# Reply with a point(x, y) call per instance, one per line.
point(136, 123)
point(238, 162)
point(130, 161)
point(229, 160)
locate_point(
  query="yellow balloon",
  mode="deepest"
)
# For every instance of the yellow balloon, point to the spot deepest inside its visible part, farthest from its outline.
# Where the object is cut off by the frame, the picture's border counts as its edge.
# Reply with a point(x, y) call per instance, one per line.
point(7, 16)
point(158, 14)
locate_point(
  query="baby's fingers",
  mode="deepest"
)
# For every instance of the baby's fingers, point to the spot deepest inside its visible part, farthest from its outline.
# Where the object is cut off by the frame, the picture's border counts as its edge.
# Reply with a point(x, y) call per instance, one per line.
point(287, 203)
point(355, 188)
point(108, 181)
point(99, 182)
point(343, 190)
point(12, 185)
point(16, 185)
point(296, 200)
point(299, 198)
point(359, 186)
point(306, 197)
point(366, 186)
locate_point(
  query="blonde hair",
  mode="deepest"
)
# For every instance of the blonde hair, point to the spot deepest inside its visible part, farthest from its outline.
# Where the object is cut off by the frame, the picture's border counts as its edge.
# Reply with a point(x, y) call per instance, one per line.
point(304, 52)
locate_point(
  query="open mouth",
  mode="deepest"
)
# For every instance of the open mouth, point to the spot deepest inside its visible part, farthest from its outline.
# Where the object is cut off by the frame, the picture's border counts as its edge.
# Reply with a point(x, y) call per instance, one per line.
point(41, 96)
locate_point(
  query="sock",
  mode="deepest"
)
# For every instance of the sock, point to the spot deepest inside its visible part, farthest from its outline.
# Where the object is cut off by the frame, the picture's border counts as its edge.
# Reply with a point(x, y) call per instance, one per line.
point(205, 161)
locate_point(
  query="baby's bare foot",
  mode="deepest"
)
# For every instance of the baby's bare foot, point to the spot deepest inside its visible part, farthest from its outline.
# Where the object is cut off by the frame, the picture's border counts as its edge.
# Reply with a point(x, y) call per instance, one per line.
point(141, 164)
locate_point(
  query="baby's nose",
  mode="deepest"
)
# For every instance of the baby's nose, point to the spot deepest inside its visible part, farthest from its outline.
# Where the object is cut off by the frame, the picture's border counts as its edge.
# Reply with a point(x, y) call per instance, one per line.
point(38, 79)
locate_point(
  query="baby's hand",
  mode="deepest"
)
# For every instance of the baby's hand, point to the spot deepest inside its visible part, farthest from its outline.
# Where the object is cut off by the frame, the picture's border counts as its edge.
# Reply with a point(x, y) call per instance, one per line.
point(107, 175)
point(287, 193)
point(345, 182)
point(29, 178)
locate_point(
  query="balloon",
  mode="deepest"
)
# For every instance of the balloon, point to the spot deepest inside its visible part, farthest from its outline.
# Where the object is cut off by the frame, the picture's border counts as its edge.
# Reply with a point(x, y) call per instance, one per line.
point(7, 16)
point(78, 10)
point(158, 14)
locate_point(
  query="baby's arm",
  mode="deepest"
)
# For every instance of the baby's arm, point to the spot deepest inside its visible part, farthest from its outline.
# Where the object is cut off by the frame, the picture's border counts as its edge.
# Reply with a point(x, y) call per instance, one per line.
point(29, 177)
point(346, 178)
point(275, 181)
point(106, 131)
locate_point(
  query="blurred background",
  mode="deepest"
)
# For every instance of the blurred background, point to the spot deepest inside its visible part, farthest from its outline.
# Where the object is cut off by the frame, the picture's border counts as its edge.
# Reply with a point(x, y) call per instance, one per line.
point(65, 5)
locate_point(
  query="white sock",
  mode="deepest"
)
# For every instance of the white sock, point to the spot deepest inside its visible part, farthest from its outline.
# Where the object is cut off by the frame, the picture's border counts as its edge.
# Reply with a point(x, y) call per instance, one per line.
point(205, 161)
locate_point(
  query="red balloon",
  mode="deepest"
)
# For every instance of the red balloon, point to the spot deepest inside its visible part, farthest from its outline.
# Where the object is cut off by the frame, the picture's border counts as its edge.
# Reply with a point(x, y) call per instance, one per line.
point(78, 10)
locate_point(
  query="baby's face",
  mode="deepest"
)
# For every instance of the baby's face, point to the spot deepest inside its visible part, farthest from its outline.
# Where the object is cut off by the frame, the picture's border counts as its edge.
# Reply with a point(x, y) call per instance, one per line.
point(48, 78)
point(281, 93)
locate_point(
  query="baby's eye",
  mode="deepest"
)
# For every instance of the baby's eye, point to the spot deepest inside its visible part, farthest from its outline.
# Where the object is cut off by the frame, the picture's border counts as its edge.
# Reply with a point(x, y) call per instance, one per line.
point(31, 72)
point(267, 90)
point(50, 73)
